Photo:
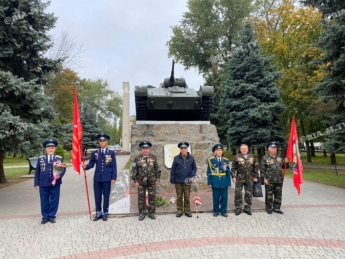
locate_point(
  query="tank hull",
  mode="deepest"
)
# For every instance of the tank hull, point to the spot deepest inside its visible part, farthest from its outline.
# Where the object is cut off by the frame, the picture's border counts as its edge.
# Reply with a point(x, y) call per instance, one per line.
point(173, 101)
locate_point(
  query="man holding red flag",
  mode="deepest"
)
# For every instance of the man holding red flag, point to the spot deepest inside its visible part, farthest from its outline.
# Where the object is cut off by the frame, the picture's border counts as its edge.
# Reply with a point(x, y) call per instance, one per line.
point(271, 171)
point(293, 155)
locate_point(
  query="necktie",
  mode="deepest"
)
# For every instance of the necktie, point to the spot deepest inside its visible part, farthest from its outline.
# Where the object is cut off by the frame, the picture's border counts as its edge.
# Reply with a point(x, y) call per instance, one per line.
point(102, 152)
point(51, 159)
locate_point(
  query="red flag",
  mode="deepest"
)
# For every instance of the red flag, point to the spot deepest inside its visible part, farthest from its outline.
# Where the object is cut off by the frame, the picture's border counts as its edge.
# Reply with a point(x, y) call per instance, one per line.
point(77, 135)
point(294, 156)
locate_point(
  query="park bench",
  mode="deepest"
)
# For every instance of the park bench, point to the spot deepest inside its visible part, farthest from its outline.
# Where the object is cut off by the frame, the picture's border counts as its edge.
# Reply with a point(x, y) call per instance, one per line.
point(32, 163)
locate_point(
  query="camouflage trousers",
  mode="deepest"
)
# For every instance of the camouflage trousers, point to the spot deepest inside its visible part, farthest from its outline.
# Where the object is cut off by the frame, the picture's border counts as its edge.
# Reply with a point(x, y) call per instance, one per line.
point(151, 191)
point(276, 190)
point(183, 197)
point(248, 193)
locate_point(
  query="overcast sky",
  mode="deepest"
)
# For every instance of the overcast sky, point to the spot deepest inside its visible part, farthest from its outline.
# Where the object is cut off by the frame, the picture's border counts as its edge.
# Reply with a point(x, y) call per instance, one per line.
point(125, 40)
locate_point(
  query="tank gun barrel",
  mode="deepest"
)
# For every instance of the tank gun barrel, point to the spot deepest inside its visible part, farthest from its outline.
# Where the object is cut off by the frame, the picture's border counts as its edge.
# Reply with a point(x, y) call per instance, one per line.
point(172, 79)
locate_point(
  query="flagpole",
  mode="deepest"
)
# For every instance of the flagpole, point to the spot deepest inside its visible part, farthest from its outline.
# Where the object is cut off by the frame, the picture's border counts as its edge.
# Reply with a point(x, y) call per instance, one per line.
point(86, 185)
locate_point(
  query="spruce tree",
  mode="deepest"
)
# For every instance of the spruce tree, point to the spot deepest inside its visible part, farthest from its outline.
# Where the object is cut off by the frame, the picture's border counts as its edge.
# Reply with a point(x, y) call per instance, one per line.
point(90, 127)
point(332, 88)
point(25, 112)
point(251, 96)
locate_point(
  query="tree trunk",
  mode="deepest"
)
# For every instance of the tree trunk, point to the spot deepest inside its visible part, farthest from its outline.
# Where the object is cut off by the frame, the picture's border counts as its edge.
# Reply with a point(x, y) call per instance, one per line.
point(233, 151)
point(14, 154)
point(312, 149)
point(261, 153)
point(283, 152)
point(308, 151)
point(2, 172)
point(324, 153)
point(333, 159)
point(306, 142)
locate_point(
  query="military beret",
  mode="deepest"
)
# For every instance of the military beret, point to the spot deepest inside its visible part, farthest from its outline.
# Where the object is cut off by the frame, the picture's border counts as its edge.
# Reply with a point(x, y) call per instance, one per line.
point(183, 144)
point(145, 144)
point(50, 143)
point(272, 144)
point(217, 146)
point(103, 137)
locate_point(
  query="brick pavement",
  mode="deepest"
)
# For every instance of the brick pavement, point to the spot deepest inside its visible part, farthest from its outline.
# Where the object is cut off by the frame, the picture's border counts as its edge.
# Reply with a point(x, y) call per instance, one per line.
point(312, 227)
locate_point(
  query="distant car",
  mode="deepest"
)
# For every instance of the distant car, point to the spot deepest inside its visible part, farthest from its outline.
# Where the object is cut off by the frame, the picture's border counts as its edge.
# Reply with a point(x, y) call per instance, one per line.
point(117, 148)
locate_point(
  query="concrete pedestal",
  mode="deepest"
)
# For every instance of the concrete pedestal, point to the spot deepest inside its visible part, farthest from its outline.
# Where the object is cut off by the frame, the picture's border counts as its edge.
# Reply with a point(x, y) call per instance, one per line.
point(200, 135)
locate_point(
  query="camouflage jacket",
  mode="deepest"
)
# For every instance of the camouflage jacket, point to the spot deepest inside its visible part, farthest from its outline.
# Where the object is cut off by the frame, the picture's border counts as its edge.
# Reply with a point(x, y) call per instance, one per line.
point(244, 168)
point(145, 170)
point(271, 168)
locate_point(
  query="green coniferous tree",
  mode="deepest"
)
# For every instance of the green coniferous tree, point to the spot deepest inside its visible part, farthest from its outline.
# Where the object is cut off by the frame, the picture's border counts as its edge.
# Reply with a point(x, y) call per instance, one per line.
point(332, 88)
point(25, 112)
point(251, 96)
point(90, 127)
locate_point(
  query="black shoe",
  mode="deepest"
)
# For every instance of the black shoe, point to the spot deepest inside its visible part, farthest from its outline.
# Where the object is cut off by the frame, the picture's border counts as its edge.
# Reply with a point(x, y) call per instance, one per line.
point(215, 214)
point(248, 212)
point(141, 217)
point(238, 212)
point(189, 215)
point(105, 218)
point(44, 221)
point(269, 211)
point(96, 218)
point(224, 215)
point(52, 220)
point(278, 211)
point(178, 215)
point(152, 216)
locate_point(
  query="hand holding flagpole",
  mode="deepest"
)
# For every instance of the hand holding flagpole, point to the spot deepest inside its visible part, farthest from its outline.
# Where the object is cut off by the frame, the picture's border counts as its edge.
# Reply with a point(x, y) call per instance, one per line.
point(77, 148)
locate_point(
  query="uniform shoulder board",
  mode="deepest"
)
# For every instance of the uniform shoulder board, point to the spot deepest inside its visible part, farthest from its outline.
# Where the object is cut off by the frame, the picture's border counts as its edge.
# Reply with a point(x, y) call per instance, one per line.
point(225, 158)
point(58, 156)
point(41, 156)
point(211, 157)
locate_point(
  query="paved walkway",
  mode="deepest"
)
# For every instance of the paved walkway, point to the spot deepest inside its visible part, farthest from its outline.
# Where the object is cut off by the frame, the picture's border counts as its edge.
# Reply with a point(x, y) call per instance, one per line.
point(312, 226)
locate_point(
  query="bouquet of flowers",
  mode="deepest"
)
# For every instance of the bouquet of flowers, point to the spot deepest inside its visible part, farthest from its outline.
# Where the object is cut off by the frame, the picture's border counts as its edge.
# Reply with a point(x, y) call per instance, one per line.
point(57, 168)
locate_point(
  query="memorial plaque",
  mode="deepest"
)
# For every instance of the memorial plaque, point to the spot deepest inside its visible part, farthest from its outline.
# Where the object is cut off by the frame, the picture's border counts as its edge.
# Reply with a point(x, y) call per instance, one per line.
point(170, 151)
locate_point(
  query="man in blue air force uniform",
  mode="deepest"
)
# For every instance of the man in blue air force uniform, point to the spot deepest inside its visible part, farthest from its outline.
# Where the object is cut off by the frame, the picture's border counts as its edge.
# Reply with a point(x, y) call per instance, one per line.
point(105, 175)
point(219, 179)
point(49, 193)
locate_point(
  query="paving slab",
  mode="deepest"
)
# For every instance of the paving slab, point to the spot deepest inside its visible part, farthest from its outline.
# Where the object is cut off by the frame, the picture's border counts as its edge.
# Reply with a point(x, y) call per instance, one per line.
point(312, 225)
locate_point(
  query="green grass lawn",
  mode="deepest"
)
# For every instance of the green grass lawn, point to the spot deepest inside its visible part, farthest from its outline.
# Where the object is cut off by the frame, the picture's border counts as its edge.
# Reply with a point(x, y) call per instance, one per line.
point(319, 159)
point(128, 164)
point(323, 176)
point(12, 176)
point(13, 161)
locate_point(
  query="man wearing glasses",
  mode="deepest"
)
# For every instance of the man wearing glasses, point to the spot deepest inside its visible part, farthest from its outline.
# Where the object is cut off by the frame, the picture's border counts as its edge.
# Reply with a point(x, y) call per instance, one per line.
point(105, 175)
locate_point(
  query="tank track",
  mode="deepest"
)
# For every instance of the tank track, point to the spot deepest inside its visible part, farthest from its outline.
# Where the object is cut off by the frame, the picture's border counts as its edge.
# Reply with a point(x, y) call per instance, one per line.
point(206, 108)
point(141, 109)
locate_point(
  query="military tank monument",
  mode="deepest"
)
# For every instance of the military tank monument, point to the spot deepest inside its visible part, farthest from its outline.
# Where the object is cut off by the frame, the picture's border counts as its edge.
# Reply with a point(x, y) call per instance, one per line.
point(173, 101)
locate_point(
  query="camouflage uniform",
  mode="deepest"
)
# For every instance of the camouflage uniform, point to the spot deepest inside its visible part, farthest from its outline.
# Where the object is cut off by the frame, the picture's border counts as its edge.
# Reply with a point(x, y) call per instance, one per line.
point(145, 171)
point(244, 170)
point(271, 170)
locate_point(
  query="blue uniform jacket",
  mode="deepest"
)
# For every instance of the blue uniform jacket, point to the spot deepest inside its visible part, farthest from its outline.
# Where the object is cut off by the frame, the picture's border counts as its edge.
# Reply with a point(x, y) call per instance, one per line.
point(105, 166)
point(180, 171)
point(218, 174)
point(44, 171)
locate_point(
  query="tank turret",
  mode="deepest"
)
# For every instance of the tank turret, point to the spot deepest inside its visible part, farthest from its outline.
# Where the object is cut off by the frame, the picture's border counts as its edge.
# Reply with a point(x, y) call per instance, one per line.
point(173, 101)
